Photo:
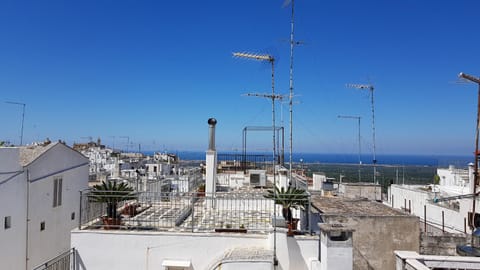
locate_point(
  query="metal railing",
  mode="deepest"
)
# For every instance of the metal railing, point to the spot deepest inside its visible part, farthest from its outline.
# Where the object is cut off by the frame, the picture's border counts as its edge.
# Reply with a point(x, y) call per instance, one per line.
point(64, 261)
point(244, 162)
point(189, 212)
point(192, 212)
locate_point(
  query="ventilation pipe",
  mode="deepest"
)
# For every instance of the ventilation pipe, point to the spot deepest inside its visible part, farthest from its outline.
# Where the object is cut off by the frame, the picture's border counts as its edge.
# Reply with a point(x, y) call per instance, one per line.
point(211, 163)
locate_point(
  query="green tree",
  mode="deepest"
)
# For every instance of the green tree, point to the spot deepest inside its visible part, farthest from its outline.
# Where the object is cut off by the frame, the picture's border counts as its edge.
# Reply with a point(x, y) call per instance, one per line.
point(289, 198)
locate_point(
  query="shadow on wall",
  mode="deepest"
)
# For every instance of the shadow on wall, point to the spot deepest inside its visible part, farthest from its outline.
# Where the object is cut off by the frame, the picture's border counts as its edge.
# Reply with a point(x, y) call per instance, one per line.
point(295, 255)
point(79, 265)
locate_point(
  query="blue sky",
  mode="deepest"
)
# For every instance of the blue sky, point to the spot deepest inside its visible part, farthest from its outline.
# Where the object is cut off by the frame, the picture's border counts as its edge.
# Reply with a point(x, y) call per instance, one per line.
point(157, 70)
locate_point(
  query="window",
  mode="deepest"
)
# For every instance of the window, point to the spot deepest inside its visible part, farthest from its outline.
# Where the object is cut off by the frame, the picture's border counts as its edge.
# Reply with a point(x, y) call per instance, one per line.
point(57, 192)
point(72, 216)
point(42, 226)
point(7, 224)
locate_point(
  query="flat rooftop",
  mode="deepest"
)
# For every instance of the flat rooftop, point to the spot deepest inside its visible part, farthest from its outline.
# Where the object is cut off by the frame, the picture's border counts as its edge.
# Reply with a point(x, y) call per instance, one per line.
point(352, 207)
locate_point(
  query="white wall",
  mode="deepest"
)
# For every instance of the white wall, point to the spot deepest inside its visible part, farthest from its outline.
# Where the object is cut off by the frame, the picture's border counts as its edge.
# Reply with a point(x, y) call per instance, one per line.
point(453, 220)
point(59, 161)
point(128, 250)
point(147, 250)
point(13, 203)
point(318, 180)
point(453, 176)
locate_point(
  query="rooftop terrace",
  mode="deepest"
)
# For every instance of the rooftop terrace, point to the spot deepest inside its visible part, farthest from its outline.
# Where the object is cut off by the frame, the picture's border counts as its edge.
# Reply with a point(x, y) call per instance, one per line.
point(242, 210)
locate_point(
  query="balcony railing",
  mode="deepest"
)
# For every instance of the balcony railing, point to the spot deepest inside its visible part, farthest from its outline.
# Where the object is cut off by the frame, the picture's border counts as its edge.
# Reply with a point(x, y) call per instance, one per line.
point(64, 261)
point(189, 212)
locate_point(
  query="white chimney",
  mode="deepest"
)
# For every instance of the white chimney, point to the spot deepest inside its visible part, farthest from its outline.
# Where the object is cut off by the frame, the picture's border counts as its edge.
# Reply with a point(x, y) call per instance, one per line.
point(336, 247)
point(211, 161)
point(471, 177)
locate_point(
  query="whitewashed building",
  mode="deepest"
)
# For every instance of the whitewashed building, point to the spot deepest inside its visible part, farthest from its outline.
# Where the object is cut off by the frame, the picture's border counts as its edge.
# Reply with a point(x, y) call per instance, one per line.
point(39, 194)
point(229, 229)
point(447, 206)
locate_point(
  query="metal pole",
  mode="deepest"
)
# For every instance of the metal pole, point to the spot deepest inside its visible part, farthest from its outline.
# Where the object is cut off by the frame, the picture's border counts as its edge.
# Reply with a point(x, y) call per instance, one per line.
point(275, 261)
point(371, 88)
point(292, 45)
point(443, 221)
point(475, 172)
point(23, 117)
point(359, 153)
point(359, 142)
point(80, 212)
point(270, 59)
point(373, 134)
point(425, 217)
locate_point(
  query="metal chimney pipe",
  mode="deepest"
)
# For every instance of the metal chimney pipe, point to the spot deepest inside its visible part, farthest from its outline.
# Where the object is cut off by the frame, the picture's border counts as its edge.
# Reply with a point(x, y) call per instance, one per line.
point(211, 138)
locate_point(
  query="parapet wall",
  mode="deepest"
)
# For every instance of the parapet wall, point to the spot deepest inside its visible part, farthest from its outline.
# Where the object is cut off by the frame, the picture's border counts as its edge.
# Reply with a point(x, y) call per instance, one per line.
point(442, 244)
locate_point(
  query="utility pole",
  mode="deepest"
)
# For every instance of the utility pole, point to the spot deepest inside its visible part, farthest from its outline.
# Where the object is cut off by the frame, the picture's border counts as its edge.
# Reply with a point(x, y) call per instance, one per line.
point(358, 118)
point(370, 88)
point(23, 117)
point(271, 60)
point(475, 172)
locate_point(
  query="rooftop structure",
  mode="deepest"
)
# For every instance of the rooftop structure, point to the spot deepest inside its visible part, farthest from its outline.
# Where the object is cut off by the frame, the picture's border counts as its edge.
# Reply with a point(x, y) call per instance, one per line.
point(445, 207)
point(39, 191)
point(231, 230)
point(413, 261)
point(379, 229)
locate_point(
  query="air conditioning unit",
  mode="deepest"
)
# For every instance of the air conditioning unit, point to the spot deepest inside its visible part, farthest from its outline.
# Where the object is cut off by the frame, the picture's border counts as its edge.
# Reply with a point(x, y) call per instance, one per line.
point(258, 178)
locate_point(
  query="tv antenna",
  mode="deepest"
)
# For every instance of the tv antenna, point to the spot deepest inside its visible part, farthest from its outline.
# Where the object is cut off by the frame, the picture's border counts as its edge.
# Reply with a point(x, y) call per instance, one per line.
point(271, 60)
point(370, 88)
point(293, 43)
point(475, 172)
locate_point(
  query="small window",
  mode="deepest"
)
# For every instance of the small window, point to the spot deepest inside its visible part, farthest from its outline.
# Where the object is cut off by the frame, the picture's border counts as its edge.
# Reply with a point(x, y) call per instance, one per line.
point(72, 216)
point(42, 226)
point(57, 192)
point(7, 224)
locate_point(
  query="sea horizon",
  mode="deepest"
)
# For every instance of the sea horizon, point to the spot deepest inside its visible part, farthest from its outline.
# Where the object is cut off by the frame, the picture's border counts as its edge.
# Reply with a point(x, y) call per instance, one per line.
point(342, 158)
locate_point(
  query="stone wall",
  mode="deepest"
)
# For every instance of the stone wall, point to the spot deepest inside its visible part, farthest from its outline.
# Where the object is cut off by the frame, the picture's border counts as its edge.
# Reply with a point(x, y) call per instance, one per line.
point(377, 237)
point(441, 243)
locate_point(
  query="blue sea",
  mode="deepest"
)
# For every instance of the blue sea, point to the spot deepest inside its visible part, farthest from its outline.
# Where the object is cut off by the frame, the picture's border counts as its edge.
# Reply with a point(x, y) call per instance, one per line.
point(420, 160)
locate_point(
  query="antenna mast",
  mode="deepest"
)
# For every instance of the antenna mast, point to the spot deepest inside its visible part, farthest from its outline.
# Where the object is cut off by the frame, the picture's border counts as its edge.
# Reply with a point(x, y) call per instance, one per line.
point(475, 172)
point(271, 60)
point(370, 88)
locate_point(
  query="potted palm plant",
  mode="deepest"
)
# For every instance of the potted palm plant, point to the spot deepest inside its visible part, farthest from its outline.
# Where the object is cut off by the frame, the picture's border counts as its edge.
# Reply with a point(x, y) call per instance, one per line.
point(111, 193)
point(289, 198)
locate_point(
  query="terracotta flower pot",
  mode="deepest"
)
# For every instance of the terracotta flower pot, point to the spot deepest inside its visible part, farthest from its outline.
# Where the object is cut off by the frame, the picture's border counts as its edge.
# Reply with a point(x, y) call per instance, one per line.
point(110, 223)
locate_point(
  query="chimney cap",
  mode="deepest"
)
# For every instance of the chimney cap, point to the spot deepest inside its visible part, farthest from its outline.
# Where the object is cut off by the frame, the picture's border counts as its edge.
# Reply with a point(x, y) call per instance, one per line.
point(212, 121)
